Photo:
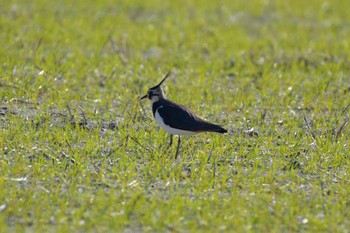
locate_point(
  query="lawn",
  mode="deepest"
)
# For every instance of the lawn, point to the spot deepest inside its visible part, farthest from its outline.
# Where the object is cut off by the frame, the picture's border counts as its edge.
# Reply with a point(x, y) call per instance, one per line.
point(79, 152)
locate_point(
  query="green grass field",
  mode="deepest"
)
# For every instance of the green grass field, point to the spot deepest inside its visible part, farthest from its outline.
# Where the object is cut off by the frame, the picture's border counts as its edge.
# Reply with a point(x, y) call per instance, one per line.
point(80, 153)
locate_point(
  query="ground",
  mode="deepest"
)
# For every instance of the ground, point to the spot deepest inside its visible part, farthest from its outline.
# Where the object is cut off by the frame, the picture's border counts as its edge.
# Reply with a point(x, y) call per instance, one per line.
point(79, 152)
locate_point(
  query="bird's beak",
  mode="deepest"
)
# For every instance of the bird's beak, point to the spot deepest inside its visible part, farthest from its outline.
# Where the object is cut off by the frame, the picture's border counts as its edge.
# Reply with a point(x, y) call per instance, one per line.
point(143, 97)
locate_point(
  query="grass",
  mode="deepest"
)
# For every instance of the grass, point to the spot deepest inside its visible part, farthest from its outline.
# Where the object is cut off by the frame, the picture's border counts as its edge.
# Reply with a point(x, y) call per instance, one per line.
point(79, 152)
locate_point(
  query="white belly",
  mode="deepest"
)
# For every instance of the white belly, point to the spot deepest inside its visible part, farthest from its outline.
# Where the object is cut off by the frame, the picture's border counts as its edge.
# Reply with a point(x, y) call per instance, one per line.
point(170, 130)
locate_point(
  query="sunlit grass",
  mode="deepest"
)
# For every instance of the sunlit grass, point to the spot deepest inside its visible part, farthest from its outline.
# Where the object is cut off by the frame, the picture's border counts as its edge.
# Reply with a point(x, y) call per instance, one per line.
point(79, 151)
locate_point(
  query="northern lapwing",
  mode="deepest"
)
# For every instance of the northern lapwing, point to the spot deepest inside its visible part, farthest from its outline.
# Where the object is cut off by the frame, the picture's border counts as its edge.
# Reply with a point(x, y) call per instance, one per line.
point(176, 119)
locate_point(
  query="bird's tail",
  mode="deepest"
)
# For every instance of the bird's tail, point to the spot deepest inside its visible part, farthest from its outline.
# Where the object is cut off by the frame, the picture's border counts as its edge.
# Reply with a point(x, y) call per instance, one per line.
point(216, 128)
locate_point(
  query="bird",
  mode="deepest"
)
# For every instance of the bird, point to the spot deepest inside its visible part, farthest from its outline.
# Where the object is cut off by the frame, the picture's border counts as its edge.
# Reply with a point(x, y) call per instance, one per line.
point(177, 119)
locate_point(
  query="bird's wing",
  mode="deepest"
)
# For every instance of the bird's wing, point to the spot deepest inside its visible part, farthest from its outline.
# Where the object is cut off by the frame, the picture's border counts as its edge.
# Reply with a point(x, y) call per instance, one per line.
point(179, 117)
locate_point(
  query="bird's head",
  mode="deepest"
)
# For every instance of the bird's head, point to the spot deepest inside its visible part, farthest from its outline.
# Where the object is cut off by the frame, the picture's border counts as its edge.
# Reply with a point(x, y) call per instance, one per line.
point(156, 93)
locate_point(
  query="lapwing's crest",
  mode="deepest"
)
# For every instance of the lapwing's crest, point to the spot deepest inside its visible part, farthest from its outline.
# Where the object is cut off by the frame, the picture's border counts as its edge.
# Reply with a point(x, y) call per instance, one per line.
point(176, 119)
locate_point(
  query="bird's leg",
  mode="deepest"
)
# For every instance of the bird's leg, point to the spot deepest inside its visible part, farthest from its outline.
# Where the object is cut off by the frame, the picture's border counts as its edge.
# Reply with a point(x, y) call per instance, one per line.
point(171, 140)
point(178, 147)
